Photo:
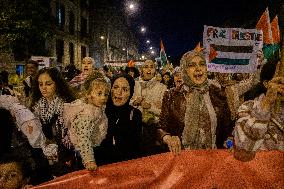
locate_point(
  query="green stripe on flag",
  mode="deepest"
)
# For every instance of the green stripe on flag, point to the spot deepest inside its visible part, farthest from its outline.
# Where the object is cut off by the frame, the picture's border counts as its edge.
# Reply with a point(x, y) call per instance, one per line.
point(270, 50)
point(163, 57)
point(227, 61)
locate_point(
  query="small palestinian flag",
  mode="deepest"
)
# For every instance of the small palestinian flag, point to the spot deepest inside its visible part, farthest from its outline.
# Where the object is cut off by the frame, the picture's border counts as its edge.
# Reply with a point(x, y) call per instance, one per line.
point(265, 25)
point(163, 56)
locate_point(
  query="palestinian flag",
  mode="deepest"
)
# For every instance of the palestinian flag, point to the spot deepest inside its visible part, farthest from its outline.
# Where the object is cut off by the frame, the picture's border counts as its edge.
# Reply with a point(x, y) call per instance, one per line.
point(269, 50)
point(275, 30)
point(163, 56)
point(198, 47)
point(230, 55)
point(264, 25)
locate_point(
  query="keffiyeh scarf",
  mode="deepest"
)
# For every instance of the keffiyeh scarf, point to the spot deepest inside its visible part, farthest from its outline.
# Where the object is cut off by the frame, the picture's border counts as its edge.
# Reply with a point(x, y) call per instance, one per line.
point(49, 113)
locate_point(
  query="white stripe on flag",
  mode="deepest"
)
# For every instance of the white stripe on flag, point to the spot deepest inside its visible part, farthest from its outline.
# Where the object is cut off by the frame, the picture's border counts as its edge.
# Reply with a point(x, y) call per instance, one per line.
point(232, 55)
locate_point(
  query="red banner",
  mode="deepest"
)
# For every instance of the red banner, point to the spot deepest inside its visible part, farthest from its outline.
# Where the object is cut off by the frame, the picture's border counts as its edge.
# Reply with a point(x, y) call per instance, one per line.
point(192, 169)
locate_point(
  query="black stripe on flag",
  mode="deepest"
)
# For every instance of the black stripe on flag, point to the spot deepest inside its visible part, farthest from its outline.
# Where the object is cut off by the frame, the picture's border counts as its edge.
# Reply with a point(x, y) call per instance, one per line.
point(236, 49)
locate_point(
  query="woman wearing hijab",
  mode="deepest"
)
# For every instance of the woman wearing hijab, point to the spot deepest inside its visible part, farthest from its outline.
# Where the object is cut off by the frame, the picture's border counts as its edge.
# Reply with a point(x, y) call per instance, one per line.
point(194, 117)
point(124, 121)
point(147, 97)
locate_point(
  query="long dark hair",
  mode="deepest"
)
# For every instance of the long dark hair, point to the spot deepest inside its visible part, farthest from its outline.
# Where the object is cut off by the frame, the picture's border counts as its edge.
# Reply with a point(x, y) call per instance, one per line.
point(63, 90)
point(267, 73)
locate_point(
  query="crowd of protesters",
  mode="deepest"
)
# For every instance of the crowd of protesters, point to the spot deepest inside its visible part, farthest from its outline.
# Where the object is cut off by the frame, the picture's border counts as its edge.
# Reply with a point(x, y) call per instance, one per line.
point(66, 121)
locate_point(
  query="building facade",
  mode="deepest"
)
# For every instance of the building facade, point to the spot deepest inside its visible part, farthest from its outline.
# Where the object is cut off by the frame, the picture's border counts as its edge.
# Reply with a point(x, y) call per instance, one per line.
point(113, 40)
point(71, 41)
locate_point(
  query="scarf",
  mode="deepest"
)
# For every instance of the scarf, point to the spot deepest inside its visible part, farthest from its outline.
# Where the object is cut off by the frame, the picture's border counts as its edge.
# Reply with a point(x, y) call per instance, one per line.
point(147, 84)
point(197, 100)
point(52, 114)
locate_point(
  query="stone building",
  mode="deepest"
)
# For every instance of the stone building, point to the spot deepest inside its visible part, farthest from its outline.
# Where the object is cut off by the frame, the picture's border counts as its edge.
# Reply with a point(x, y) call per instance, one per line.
point(71, 28)
point(113, 40)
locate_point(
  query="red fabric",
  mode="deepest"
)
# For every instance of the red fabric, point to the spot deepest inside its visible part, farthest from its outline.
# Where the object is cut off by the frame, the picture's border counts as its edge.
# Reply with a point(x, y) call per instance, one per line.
point(275, 30)
point(192, 169)
point(264, 25)
point(131, 64)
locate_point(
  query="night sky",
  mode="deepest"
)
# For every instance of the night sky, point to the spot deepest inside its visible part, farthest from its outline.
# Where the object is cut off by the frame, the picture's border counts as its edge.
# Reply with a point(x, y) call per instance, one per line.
point(179, 23)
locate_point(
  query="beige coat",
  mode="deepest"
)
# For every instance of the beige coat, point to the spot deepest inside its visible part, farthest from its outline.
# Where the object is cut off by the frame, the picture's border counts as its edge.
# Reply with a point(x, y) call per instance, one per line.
point(152, 91)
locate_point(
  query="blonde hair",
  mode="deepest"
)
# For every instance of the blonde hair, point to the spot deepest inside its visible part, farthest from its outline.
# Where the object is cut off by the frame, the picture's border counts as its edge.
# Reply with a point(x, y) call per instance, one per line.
point(94, 79)
point(90, 59)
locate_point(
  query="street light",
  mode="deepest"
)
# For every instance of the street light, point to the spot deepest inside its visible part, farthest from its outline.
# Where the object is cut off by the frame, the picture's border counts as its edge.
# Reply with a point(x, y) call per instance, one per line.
point(148, 41)
point(143, 29)
point(123, 49)
point(131, 6)
point(143, 57)
point(151, 48)
point(106, 53)
point(152, 52)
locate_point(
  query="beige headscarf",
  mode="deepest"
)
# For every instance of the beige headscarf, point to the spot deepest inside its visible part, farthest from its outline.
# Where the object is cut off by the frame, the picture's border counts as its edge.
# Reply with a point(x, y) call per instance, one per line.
point(197, 98)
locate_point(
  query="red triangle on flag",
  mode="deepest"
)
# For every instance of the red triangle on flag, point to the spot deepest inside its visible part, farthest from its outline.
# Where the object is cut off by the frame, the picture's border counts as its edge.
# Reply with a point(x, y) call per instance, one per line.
point(213, 54)
point(275, 30)
point(198, 47)
point(162, 45)
point(131, 64)
point(264, 25)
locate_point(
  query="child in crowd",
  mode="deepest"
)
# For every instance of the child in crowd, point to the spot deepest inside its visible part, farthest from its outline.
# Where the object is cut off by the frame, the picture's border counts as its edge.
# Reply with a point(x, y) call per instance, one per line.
point(14, 172)
point(86, 118)
point(86, 69)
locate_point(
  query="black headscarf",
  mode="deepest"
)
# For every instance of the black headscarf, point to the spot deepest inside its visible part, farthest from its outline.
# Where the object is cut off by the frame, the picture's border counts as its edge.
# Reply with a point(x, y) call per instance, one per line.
point(111, 109)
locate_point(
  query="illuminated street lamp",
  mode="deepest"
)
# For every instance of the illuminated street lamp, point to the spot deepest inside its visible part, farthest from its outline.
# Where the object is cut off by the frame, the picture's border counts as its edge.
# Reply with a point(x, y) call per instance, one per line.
point(143, 57)
point(106, 52)
point(151, 48)
point(152, 52)
point(143, 29)
point(148, 41)
point(131, 6)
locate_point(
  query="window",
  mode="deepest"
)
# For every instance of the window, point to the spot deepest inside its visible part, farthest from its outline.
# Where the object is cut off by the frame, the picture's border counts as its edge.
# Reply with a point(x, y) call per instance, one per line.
point(59, 50)
point(71, 23)
point(71, 53)
point(84, 27)
point(60, 16)
point(83, 52)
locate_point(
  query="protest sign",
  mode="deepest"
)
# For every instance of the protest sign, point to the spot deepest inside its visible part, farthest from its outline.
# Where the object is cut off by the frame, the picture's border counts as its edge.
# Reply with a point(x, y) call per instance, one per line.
point(232, 50)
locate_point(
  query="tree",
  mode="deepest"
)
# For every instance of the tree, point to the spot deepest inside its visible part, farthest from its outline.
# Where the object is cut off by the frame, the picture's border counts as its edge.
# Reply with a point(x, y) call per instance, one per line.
point(24, 27)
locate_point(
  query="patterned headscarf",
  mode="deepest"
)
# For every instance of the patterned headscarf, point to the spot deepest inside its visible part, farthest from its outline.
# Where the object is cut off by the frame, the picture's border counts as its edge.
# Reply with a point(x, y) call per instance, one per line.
point(185, 62)
point(197, 101)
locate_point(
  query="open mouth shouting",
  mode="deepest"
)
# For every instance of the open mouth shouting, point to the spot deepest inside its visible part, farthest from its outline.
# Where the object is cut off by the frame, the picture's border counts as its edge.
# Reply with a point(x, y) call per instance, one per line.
point(117, 99)
point(198, 77)
point(86, 70)
point(179, 81)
